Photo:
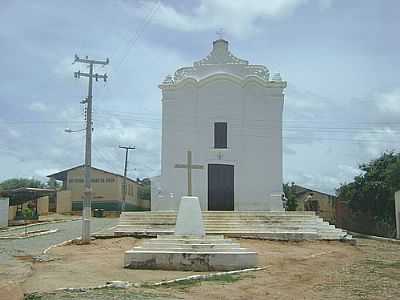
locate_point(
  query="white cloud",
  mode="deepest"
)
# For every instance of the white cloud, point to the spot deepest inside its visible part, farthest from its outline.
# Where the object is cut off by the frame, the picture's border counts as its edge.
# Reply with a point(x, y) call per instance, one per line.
point(44, 172)
point(379, 140)
point(389, 102)
point(14, 133)
point(325, 4)
point(38, 106)
point(237, 17)
point(347, 171)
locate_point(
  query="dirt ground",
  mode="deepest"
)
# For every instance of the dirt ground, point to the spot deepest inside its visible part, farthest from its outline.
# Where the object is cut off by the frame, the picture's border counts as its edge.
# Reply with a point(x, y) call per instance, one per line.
point(295, 270)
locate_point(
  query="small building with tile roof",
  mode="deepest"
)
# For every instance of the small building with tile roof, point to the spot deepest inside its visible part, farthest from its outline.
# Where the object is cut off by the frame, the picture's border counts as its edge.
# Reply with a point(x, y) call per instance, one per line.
point(322, 203)
point(107, 189)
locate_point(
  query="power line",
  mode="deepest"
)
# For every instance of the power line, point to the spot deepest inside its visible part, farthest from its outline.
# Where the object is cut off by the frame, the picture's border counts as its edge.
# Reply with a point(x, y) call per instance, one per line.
point(133, 42)
point(140, 32)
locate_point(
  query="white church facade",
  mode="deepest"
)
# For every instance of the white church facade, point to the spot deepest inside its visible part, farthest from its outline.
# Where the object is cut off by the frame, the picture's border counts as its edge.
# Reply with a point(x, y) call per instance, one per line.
point(229, 114)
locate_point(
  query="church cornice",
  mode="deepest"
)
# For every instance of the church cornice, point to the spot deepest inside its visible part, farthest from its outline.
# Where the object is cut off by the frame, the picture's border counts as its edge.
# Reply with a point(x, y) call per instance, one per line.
point(241, 81)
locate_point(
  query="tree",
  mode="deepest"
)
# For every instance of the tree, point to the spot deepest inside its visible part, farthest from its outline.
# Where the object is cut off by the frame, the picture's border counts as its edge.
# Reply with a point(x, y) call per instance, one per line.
point(290, 193)
point(53, 184)
point(144, 190)
point(15, 183)
point(373, 191)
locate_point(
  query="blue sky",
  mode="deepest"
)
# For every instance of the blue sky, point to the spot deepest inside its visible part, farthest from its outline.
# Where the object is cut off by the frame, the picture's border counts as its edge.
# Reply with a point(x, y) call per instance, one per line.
point(340, 59)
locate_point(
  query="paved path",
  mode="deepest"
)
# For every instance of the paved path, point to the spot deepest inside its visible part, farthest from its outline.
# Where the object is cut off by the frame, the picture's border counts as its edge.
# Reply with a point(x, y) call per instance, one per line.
point(35, 245)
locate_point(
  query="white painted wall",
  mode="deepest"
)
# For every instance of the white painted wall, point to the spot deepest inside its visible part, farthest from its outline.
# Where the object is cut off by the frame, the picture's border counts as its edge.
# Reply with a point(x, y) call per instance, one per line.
point(4, 203)
point(222, 88)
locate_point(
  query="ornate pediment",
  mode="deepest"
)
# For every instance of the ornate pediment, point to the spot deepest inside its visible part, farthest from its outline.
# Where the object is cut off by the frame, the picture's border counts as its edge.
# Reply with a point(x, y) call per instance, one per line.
point(220, 54)
point(221, 61)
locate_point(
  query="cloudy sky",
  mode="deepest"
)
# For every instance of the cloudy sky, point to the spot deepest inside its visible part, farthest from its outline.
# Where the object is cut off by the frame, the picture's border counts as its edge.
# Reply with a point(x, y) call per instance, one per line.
point(340, 59)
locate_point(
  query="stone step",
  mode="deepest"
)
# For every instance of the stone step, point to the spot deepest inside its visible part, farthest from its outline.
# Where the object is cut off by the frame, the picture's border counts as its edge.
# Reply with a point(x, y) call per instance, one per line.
point(222, 228)
point(276, 225)
point(279, 236)
point(227, 233)
point(197, 244)
point(230, 221)
point(196, 247)
point(191, 242)
point(191, 237)
point(257, 213)
point(332, 235)
point(155, 231)
point(224, 216)
point(139, 233)
point(191, 250)
point(223, 221)
point(190, 261)
point(271, 235)
point(216, 215)
point(198, 241)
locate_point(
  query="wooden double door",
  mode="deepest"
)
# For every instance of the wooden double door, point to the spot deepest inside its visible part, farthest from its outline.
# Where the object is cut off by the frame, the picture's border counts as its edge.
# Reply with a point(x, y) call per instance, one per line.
point(220, 187)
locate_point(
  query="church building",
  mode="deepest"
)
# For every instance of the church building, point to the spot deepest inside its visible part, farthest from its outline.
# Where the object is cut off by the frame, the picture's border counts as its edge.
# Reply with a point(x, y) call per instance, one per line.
point(229, 114)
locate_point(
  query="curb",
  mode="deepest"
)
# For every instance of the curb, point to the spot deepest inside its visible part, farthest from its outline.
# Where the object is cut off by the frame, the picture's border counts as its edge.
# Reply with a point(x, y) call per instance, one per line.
point(206, 276)
point(127, 284)
point(373, 237)
point(35, 224)
point(31, 234)
point(59, 244)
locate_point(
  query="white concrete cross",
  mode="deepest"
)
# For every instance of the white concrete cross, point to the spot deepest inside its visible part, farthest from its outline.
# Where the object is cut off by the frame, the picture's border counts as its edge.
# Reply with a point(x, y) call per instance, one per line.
point(189, 166)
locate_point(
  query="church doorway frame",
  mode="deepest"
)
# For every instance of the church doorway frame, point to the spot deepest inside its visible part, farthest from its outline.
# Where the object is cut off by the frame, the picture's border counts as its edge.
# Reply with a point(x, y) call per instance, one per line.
point(221, 187)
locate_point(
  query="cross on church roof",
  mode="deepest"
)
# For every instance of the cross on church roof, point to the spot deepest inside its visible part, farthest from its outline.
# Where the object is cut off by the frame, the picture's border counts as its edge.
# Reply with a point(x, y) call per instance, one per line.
point(189, 166)
point(220, 32)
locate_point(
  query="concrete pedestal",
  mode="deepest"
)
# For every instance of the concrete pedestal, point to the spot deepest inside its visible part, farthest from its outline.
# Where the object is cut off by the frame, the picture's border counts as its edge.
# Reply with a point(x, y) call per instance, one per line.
point(190, 253)
point(189, 220)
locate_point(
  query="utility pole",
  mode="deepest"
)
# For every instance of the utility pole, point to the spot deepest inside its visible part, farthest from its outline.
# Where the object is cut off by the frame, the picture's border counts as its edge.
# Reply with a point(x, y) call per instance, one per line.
point(86, 209)
point(125, 171)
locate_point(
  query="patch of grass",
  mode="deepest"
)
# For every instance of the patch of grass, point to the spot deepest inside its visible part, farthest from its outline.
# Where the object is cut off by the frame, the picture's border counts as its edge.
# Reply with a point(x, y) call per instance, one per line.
point(33, 297)
point(383, 263)
point(227, 278)
point(101, 294)
point(223, 279)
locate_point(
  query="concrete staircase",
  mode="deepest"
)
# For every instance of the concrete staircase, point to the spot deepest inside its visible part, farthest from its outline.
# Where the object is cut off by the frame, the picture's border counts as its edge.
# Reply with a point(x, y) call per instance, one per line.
point(190, 253)
point(272, 225)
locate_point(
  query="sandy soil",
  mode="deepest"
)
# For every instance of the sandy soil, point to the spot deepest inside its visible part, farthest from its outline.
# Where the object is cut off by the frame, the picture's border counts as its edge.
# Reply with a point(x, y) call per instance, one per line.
point(90, 265)
point(295, 270)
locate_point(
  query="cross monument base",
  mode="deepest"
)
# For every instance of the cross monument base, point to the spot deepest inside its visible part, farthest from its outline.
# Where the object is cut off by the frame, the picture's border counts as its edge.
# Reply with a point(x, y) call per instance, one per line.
point(189, 220)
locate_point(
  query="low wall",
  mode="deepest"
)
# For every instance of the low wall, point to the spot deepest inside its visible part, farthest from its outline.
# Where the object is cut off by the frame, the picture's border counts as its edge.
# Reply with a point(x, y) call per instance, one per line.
point(144, 204)
point(12, 212)
point(63, 202)
point(361, 222)
point(43, 206)
point(4, 212)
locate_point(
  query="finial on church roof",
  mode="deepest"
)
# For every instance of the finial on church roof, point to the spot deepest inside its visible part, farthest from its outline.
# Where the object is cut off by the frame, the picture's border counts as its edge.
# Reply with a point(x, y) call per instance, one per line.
point(220, 33)
point(220, 43)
